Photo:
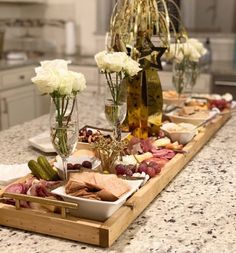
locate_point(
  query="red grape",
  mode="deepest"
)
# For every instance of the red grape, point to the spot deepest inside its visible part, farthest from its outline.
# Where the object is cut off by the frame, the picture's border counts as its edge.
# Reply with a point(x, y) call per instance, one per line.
point(155, 166)
point(151, 172)
point(70, 166)
point(128, 172)
point(142, 168)
point(120, 169)
point(132, 167)
point(87, 164)
point(77, 166)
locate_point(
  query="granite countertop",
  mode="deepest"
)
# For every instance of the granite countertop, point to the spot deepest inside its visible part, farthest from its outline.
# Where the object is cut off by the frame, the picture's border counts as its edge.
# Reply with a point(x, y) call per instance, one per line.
point(195, 213)
point(217, 67)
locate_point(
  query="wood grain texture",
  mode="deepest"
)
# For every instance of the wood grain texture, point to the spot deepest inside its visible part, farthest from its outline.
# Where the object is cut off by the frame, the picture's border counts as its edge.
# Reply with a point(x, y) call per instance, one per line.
point(105, 233)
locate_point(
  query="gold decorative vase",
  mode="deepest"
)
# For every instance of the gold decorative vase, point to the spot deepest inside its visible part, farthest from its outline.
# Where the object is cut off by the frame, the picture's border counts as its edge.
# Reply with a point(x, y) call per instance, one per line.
point(144, 104)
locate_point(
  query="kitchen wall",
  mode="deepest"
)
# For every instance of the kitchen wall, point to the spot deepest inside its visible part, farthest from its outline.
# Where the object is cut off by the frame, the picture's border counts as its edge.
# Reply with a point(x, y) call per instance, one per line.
point(85, 14)
point(82, 12)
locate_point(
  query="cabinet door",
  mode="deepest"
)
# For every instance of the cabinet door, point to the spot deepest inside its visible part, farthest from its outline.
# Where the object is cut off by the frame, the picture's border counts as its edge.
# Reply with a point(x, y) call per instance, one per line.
point(17, 106)
point(42, 103)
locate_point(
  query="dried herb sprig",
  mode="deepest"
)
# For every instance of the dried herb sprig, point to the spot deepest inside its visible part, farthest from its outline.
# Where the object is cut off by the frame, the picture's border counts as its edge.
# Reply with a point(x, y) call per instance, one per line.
point(108, 151)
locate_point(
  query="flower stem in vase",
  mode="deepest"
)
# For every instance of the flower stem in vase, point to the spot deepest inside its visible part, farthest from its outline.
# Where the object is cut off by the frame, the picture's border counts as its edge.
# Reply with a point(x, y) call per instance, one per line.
point(64, 163)
point(117, 131)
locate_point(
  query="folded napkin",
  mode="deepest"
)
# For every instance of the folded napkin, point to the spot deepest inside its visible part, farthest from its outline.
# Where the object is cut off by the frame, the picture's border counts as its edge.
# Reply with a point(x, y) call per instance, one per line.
point(10, 173)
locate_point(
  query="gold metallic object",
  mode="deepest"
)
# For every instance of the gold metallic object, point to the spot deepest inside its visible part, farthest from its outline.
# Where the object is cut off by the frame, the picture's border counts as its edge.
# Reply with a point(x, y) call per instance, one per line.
point(134, 23)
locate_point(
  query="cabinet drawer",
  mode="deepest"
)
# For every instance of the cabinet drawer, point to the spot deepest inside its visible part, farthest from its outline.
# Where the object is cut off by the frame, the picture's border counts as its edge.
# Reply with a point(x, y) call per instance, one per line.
point(16, 77)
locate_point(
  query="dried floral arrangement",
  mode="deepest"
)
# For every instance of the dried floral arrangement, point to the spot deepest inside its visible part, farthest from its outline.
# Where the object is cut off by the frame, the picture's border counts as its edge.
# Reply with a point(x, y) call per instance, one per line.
point(133, 20)
point(108, 151)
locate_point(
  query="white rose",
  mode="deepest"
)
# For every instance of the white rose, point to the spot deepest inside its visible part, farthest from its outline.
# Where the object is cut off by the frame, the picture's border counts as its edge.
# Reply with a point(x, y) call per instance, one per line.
point(66, 83)
point(176, 51)
point(99, 58)
point(194, 54)
point(132, 67)
point(47, 80)
point(79, 83)
point(55, 64)
point(115, 61)
point(180, 52)
point(198, 46)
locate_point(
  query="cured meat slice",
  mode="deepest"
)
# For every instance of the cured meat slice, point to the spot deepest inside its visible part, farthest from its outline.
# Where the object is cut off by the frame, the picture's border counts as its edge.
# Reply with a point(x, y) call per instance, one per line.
point(164, 153)
point(17, 188)
point(160, 161)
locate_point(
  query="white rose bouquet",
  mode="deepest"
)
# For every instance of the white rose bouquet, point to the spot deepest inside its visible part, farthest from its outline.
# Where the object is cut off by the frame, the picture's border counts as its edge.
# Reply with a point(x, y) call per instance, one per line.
point(191, 50)
point(116, 66)
point(186, 58)
point(119, 64)
point(54, 78)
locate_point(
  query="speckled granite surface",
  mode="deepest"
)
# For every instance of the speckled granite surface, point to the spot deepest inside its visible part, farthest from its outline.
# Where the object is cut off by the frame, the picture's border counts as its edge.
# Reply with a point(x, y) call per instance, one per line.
point(195, 213)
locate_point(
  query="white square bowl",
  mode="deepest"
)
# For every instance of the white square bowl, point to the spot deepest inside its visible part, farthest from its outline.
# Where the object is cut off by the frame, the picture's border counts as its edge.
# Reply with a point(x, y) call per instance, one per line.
point(186, 119)
point(97, 209)
point(183, 137)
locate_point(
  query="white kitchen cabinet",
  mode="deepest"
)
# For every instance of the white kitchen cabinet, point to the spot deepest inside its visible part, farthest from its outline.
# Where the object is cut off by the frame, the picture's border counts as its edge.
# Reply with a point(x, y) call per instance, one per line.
point(203, 85)
point(20, 100)
point(17, 106)
point(24, 1)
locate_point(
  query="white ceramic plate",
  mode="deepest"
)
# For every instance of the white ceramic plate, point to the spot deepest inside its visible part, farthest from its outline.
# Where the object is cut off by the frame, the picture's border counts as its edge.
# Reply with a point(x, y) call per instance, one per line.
point(96, 209)
point(42, 142)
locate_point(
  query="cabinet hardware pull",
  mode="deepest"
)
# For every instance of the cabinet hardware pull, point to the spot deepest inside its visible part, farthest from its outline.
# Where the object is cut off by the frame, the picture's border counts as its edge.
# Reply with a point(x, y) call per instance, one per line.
point(225, 83)
point(5, 110)
point(22, 77)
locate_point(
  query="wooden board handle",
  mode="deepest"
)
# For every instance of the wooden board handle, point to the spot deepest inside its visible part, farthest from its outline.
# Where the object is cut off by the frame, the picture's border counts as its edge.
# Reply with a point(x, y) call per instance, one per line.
point(57, 203)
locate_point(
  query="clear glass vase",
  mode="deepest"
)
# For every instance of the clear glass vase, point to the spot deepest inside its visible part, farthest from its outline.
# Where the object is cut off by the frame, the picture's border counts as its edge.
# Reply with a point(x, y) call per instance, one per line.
point(192, 72)
point(116, 107)
point(179, 76)
point(64, 127)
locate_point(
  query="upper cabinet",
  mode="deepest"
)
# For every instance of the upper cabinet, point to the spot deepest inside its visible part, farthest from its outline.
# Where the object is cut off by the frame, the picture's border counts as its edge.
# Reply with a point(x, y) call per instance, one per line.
point(24, 1)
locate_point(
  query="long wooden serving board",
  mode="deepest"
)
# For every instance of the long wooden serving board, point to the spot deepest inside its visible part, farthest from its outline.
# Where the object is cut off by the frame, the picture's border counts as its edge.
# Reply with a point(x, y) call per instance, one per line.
point(105, 233)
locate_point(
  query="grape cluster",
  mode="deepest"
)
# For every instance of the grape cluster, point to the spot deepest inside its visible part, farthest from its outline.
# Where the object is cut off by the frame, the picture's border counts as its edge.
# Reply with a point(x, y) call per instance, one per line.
point(221, 104)
point(151, 169)
point(78, 166)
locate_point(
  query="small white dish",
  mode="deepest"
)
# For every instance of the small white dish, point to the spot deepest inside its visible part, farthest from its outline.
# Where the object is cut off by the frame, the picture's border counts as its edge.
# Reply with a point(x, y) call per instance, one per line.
point(182, 136)
point(174, 117)
point(86, 145)
point(96, 209)
point(42, 142)
point(74, 160)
